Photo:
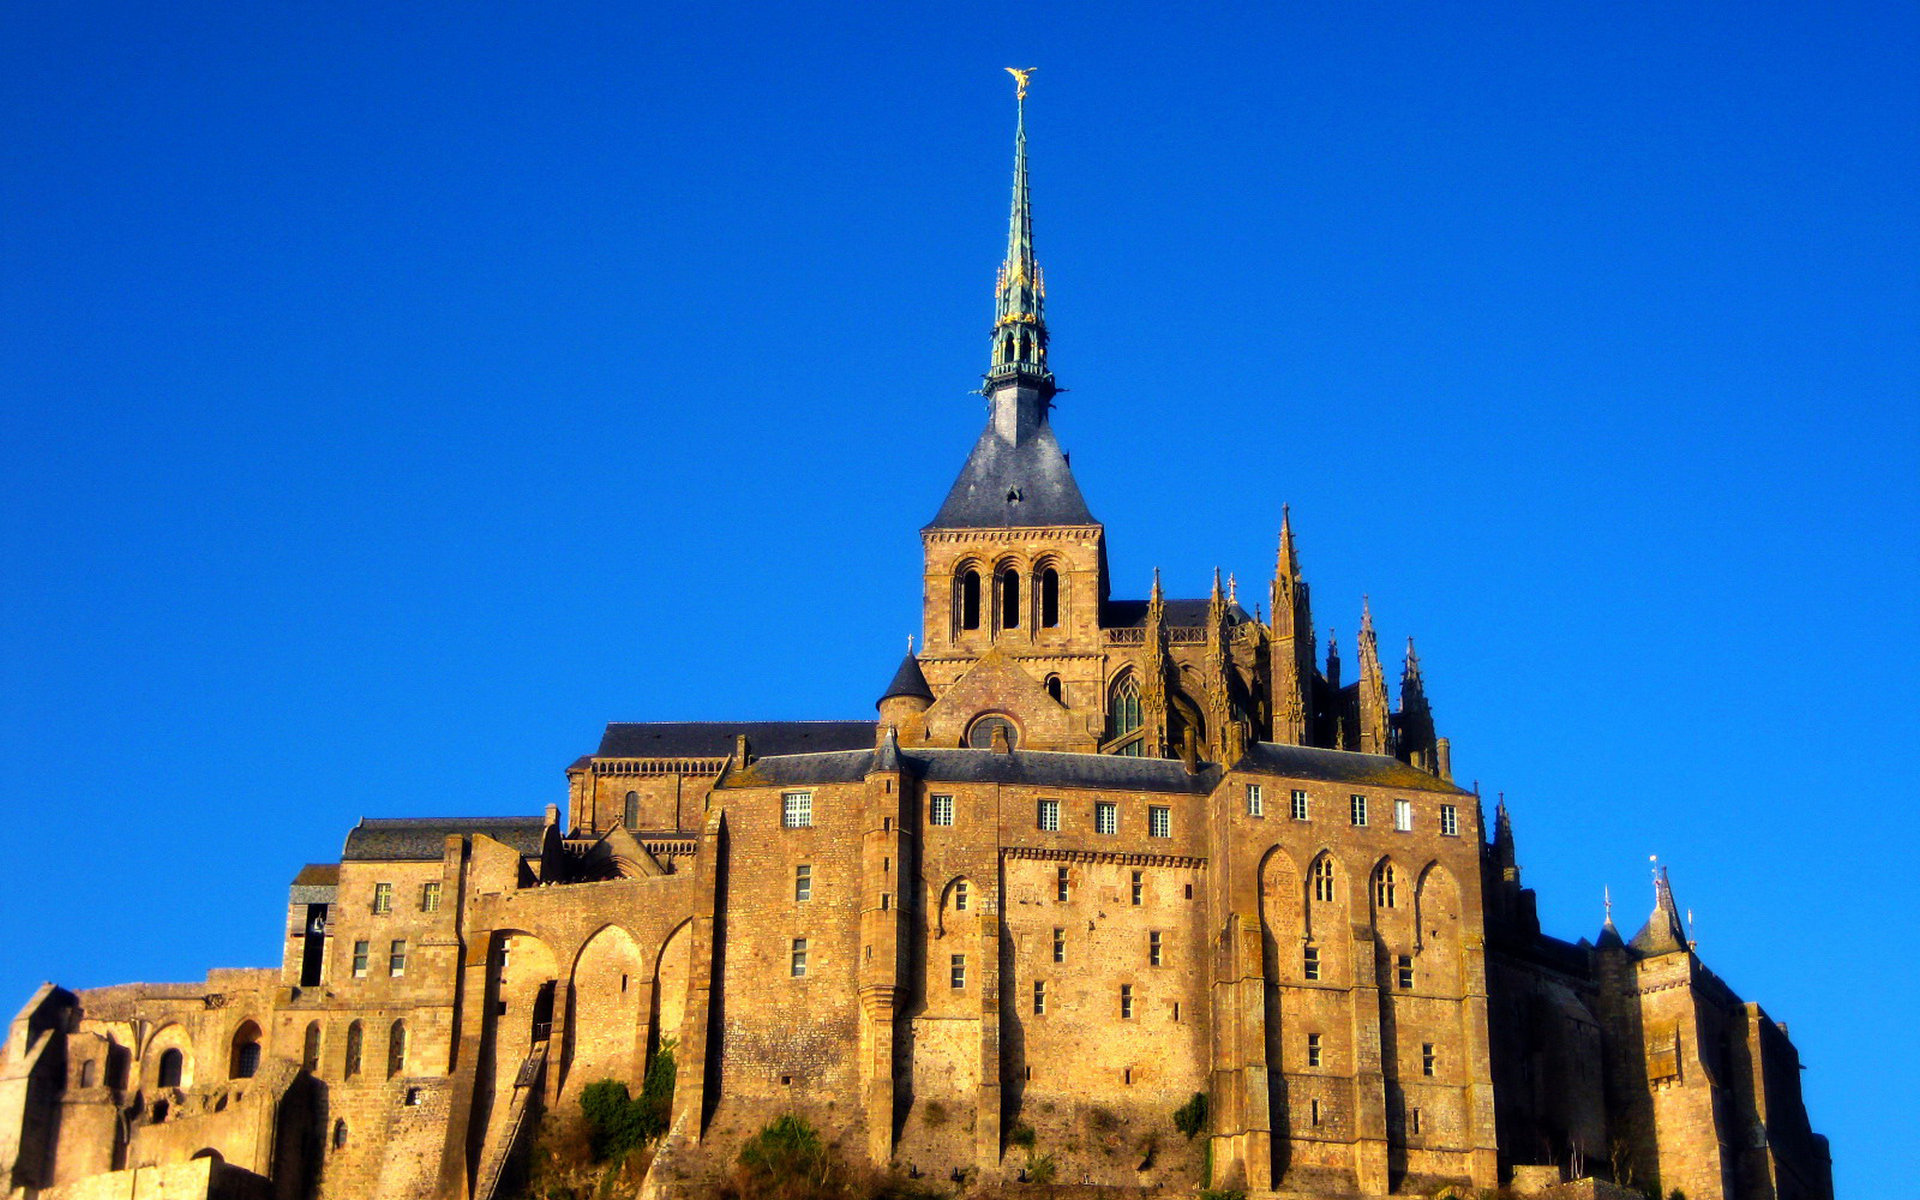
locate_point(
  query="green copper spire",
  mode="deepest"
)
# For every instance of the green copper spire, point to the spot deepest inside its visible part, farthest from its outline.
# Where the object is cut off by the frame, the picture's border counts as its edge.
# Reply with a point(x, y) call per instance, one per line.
point(1019, 322)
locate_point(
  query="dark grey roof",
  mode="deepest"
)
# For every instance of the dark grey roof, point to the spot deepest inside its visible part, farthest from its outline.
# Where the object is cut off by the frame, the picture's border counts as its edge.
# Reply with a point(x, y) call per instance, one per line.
point(1184, 614)
point(1037, 768)
point(1033, 469)
point(909, 680)
point(419, 839)
point(318, 875)
point(1340, 766)
point(714, 739)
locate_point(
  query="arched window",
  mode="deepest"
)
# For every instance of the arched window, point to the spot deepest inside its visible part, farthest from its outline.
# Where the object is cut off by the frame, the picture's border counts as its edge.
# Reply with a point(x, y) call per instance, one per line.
point(1123, 711)
point(1009, 599)
point(246, 1051)
point(1049, 598)
point(397, 1049)
point(980, 734)
point(340, 1134)
point(354, 1037)
point(172, 1065)
point(1056, 689)
point(633, 810)
point(310, 1049)
point(968, 601)
point(1323, 879)
point(1383, 886)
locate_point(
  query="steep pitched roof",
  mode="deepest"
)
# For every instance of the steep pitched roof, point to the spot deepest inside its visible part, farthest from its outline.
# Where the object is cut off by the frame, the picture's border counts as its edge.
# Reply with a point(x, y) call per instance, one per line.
point(1038, 768)
point(1662, 934)
point(909, 680)
point(422, 839)
point(1014, 484)
point(1341, 766)
point(714, 739)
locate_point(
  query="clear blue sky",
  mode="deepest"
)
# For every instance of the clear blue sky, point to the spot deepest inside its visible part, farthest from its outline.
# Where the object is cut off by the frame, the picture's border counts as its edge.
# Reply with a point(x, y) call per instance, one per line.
point(390, 395)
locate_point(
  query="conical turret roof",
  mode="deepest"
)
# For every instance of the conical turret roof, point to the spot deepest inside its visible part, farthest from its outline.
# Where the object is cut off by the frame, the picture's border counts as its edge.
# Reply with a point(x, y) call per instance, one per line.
point(909, 680)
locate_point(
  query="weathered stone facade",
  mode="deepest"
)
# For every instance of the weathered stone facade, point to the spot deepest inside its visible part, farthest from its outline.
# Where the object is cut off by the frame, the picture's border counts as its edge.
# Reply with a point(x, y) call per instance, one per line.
point(1095, 857)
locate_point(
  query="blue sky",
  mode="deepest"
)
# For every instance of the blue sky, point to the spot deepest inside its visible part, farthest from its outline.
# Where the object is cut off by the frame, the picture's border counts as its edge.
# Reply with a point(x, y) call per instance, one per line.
point(391, 395)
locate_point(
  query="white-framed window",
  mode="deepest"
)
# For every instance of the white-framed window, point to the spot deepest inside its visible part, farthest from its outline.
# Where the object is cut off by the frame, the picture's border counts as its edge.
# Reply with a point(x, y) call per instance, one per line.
point(1049, 817)
point(1256, 807)
point(796, 810)
point(1159, 821)
point(1154, 949)
point(1449, 821)
point(1357, 809)
point(798, 967)
point(940, 810)
point(1297, 806)
point(1310, 962)
point(957, 972)
point(382, 897)
point(1039, 997)
point(1059, 945)
point(960, 896)
point(1126, 1002)
point(1403, 816)
point(803, 882)
point(1106, 817)
point(362, 949)
point(397, 957)
point(430, 897)
point(1313, 1049)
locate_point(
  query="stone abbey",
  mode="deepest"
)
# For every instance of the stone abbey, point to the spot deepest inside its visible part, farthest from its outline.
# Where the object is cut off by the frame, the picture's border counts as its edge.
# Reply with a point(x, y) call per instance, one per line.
point(1094, 857)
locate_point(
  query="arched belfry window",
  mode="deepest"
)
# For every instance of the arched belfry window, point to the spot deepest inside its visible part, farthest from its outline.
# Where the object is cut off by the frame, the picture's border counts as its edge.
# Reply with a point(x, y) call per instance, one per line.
point(1123, 712)
point(1010, 599)
point(396, 1049)
point(968, 599)
point(1049, 585)
point(1056, 689)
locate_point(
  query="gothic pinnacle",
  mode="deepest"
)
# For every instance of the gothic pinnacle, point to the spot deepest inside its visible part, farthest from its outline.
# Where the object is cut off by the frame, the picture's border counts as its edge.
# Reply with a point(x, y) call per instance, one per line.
point(1019, 321)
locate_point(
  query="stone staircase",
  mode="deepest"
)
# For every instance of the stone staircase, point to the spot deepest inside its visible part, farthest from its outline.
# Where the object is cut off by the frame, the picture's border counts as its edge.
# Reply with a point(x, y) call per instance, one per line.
point(504, 1138)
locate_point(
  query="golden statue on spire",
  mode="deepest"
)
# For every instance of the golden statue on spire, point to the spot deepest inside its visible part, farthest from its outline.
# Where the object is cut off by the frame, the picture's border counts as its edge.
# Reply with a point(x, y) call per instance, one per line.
point(1020, 76)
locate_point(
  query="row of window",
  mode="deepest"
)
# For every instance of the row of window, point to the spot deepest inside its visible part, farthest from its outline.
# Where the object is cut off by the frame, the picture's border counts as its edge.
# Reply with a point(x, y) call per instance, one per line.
point(383, 898)
point(1386, 883)
point(1429, 1055)
point(1300, 808)
point(1007, 614)
point(396, 957)
point(396, 1049)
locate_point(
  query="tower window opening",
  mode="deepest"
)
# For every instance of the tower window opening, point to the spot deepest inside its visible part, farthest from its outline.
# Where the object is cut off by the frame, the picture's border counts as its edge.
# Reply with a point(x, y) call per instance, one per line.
point(310, 1048)
point(1049, 599)
point(1449, 821)
point(1010, 599)
point(1056, 689)
point(1256, 804)
point(969, 599)
point(632, 813)
point(940, 810)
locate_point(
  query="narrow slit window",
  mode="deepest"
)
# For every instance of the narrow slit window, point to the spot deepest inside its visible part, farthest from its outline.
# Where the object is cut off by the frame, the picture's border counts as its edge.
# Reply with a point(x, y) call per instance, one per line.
point(1010, 599)
point(1428, 1059)
point(957, 972)
point(1413, 1121)
point(803, 882)
point(1403, 972)
point(1314, 1112)
point(1154, 952)
point(1059, 945)
point(1039, 997)
point(798, 964)
point(1139, 887)
point(1060, 885)
point(632, 810)
point(1126, 1002)
point(960, 896)
point(1310, 963)
point(1313, 1049)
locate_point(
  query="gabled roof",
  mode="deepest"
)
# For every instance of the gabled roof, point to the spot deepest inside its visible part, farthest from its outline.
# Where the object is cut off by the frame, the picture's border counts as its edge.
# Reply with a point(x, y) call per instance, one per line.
point(715, 739)
point(423, 839)
point(1341, 766)
point(1014, 485)
point(1036, 768)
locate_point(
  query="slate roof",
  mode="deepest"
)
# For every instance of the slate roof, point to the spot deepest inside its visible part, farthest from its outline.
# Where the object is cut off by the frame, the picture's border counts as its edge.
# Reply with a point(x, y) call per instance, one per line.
point(421, 839)
point(1037, 768)
point(909, 680)
point(318, 875)
point(1132, 614)
point(1032, 468)
point(1341, 766)
point(714, 739)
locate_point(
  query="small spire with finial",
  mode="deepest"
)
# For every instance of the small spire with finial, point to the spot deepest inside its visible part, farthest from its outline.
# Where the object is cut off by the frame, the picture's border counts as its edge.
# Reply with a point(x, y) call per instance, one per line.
point(1019, 324)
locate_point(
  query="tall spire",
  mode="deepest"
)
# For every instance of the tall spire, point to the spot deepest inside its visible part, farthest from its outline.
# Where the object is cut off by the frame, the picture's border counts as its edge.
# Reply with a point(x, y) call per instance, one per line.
point(1019, 320)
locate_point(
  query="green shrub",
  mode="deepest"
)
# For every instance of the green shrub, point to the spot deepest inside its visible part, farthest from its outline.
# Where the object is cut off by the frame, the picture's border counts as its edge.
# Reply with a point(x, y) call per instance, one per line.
point(1190, 1118)
point(1022, 1136)
point(1223, 1194)
point(1042, 1170)
point(785, 1158)
point(618, 1122)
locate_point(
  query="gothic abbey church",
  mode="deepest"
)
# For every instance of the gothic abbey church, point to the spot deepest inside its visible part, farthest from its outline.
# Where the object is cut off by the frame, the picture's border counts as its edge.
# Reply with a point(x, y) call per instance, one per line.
point(1094, 857)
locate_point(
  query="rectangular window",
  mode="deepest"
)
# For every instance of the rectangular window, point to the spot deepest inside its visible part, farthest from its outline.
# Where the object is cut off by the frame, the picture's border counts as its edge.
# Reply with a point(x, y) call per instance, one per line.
point(1403, 816)
point(960, 896)
point(1298, 806)
point(796, 810)
point(382, 897)
point(397, 957)
point(941, 810)
point(1059, 945)
point(1404, 971)
point(429, 897)
point(1153, 948)
point(1050, 816)
point(1060, 885)
point(1159, 821)
point(1315, 1112)
point(1313, 1049)
point(1413, 1121)
point(958, 974)
point(803, 882)
point(1139, 887)
point(1427, 1058)
point(1106, 817)
point(1256, 807)
point(360, 953)
point(1126, 1002)
point(1310, 964)
point(1357, 809)
point(1039, 997)
point(799, 965)
point(1449, 821)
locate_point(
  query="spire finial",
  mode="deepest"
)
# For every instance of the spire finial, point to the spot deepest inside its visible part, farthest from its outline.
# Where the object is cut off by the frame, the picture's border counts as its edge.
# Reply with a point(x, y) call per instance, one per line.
point(1606, 898)
point(909, 643)
point(1019, 324)
point(1233, 589)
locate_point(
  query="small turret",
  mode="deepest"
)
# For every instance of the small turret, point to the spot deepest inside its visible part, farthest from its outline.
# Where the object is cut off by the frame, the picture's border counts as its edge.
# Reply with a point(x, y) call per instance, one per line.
point(1375, 716)
point(1663, 933)
point(1290, 661)
point(907, 696)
